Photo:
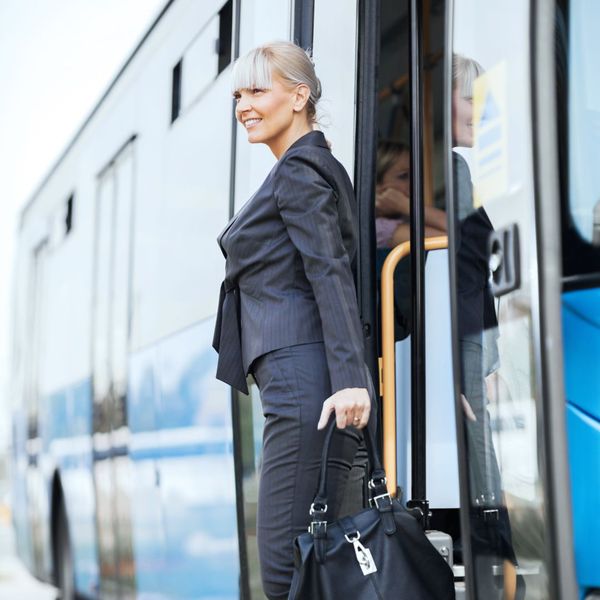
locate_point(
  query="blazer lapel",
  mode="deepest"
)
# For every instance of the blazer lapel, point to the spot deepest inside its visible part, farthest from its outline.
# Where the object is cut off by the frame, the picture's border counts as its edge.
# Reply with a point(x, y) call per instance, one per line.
point(220, 236)
point(313, 138)
point(233, 220)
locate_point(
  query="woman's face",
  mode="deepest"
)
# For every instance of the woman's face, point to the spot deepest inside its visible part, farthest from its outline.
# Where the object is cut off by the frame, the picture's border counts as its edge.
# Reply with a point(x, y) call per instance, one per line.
point(398, 175)
point(267, 115)
point(462, 119)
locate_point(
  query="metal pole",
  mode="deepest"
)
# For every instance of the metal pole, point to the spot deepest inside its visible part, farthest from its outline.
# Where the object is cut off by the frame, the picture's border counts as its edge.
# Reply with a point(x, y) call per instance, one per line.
point(417, 258)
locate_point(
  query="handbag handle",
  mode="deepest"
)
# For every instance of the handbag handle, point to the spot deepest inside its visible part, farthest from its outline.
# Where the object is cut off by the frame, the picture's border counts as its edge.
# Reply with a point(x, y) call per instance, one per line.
point(377, 479)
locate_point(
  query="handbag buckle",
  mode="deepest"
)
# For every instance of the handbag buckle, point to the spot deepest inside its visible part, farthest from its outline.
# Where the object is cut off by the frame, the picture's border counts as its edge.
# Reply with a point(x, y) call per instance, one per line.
point(374, 484)
point(318, 527)
point(355, 538)
point(377, 499)
point(322, 509)
point(491, 514)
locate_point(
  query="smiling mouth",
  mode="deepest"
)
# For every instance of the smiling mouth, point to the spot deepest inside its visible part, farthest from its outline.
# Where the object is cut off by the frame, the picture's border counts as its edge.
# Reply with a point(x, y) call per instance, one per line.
point(251, 122)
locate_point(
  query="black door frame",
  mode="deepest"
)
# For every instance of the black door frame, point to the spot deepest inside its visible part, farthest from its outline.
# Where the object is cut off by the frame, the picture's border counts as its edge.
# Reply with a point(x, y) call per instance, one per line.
point(548, 321)
point(452, 209)
point(238, 466)
point(364, 175)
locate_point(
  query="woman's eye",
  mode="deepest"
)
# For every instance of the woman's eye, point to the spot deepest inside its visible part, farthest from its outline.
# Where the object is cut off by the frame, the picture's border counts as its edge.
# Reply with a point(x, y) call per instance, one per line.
point(256, 91)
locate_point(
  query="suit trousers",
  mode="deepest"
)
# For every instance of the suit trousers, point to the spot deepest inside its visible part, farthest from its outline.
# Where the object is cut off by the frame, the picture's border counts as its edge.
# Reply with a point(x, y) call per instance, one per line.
point(294, 383)
point(491, 539)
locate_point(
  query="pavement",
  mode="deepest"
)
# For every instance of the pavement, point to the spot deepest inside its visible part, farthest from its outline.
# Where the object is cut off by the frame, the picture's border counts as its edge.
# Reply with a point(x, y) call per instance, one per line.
point(15, 581)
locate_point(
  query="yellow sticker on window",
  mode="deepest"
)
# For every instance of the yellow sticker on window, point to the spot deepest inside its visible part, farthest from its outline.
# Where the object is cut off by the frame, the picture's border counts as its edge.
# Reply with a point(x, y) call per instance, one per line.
point(490, 131)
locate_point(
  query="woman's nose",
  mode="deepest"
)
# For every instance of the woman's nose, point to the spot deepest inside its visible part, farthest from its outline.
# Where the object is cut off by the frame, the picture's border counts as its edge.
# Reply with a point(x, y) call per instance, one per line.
point(243, 104)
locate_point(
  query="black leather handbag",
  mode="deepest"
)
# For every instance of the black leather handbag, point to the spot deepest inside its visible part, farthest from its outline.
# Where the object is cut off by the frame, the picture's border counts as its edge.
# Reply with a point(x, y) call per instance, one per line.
point(379, 553)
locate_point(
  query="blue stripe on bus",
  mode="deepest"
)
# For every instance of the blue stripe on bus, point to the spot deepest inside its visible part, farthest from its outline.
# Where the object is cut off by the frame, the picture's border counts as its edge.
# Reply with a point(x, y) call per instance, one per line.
point(199, 449)
point(180, 508)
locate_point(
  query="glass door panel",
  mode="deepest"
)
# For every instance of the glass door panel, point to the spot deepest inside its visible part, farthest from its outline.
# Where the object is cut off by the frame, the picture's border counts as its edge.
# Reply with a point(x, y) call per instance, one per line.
point(112, 467)
point(495, 259)
point(103, 473)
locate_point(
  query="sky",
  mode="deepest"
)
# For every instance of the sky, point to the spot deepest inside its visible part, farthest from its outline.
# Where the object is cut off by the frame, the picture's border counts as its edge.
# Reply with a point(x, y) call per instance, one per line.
point(56, 59)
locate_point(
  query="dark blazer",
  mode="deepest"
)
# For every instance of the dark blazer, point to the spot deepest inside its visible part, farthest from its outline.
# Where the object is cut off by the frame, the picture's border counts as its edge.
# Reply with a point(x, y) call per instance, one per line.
point(476, 310)
point(288, 271)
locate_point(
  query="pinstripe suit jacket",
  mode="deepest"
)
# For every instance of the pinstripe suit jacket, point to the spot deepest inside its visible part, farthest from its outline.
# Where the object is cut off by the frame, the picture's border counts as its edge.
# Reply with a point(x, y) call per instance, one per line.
point(288, 270)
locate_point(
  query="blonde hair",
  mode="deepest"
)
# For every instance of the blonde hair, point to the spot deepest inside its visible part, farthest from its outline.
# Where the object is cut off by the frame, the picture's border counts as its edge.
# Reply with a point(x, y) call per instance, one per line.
point(388, 152)
point(464, 72)
point(290, 62)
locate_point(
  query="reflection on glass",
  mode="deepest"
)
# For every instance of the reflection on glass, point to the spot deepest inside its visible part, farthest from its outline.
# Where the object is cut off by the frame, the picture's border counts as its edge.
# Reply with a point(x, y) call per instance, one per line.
point(393, 193)
point(392, 200)
point(491, 538)
point(392, 210)
point(392, 222)
point(493, 189)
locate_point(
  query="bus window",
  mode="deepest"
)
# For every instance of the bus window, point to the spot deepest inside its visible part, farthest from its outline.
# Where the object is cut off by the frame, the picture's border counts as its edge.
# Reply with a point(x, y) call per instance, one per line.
point(584, 119)
point(579, 134)
point(578, 102)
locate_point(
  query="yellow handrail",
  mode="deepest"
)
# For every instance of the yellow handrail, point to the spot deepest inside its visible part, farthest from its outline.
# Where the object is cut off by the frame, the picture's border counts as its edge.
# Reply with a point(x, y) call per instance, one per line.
point(388, 350)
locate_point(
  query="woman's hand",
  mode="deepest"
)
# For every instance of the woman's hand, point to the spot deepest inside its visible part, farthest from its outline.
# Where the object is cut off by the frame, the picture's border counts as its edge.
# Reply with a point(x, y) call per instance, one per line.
point(352, 406)
point(467, 408)
point(391, 202)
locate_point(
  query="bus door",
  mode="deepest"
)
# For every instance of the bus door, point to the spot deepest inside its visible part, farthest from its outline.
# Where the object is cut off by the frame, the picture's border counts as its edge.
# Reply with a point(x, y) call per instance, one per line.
point(417, 405)
point(112, 470)
point(403, 192)
point(502, 172)
point(35, 494)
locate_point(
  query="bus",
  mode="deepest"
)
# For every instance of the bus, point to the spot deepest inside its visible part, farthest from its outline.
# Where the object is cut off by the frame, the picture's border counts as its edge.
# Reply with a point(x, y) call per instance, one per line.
point(135, 472)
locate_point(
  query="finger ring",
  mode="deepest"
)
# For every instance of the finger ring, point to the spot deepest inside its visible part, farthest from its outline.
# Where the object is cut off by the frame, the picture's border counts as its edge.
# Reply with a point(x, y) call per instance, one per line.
point(356, 420)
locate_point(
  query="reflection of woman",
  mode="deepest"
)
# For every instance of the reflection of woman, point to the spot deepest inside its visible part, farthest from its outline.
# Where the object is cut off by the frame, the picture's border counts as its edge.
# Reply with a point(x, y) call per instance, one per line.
point(288, 310)
point(392, 223)
point(490, 528)
point(392, 200)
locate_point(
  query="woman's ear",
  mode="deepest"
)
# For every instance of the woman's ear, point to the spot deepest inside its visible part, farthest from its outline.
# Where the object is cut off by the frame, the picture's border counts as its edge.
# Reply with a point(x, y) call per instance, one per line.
point(301, 96)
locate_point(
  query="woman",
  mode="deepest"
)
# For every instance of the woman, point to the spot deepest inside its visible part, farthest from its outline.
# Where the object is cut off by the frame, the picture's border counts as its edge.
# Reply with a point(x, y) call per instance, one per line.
point(288, 311)
point(491, 538)
point(392, 200)
point(392, 224)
